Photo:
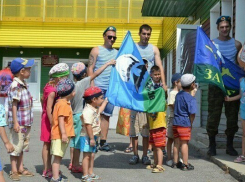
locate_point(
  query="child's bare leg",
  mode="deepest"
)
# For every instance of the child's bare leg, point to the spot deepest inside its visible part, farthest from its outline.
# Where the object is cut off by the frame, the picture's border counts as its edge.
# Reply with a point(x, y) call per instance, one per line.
point(243, 137)
point(135, 145)
point(20, 165)
point(169, 148)
point(145, 145)
point(1, 177)
point(86, 162)
point(56, 166)
point(159, 155)
point(76, 156)
point(71, 154)
point(149, 146)
point(46, 156)
point(184, 151)
point(91, 164)
point(176, 150)
point(13, 160)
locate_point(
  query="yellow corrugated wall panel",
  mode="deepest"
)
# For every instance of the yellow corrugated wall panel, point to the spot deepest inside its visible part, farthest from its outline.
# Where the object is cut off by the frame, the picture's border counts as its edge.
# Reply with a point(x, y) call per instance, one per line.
point(67, 35)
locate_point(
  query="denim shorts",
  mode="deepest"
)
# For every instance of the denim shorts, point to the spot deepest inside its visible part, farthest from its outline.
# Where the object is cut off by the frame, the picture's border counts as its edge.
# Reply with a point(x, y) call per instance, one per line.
point(109, 107)
point(85, 144)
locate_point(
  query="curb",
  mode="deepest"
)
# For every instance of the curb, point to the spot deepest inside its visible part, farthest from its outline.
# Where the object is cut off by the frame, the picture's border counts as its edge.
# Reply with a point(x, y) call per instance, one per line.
point(234, 173)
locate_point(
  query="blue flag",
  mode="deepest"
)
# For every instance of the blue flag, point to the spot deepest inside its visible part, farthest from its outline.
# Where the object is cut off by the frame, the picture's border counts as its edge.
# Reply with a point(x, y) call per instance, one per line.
point(128, 80)
point(211, 67)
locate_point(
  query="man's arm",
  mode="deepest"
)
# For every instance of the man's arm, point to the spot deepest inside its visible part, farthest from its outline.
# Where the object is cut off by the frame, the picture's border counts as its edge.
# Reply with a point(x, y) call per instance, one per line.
point(158, 62)
point(238, 47)
point(91, 61)
point(192, 117)
point(101, 69)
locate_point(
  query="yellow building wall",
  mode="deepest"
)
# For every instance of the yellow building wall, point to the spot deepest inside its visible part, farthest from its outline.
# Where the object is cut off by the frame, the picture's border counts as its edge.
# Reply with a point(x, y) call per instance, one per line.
point(71, 23)
point(67, 35)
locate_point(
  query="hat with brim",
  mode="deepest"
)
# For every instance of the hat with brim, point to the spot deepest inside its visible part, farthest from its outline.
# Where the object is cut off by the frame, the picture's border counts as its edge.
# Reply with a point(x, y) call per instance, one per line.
point(19, 63)
point(176, 77)
point(187, 79)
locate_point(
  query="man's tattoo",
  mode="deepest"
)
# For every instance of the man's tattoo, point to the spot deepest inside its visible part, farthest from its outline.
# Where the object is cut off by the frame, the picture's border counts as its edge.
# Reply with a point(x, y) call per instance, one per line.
point(90, 60)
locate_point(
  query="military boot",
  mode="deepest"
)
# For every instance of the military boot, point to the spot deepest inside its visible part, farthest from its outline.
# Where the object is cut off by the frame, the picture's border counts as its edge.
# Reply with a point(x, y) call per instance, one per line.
point(212, 146)
point(229, 146)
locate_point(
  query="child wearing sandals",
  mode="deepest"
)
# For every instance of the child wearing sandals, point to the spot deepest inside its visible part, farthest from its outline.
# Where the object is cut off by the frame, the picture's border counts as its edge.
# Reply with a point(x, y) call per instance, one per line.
point(184, 115)
point(171, 99)
point(20, 116)
point(8, 145)
point(62, 126)
point(49, 98)
point(241, 96)
point(82, 82)
point(157, 124)
point(95, 104)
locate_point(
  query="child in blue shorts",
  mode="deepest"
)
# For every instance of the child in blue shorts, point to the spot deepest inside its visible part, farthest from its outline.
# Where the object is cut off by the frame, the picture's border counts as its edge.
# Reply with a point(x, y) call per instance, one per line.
point(8, 145)
point(95, 104)
point(82, 82)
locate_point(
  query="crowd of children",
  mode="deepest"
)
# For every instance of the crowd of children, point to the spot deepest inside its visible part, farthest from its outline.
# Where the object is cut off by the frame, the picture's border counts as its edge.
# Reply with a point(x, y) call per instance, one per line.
point(67, 119)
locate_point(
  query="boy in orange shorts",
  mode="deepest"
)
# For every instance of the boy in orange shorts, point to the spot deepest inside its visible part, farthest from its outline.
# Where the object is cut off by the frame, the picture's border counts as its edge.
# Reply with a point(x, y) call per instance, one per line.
point(184, 115)
point(157, 124)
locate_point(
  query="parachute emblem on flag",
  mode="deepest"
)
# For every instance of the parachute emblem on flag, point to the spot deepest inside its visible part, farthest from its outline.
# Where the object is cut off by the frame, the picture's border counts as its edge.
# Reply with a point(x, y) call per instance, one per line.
point(124, 66)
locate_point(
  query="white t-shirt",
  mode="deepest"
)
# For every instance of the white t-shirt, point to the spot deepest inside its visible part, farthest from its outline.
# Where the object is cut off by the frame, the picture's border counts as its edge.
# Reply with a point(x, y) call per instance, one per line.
point(91, 116)
point(171, 100)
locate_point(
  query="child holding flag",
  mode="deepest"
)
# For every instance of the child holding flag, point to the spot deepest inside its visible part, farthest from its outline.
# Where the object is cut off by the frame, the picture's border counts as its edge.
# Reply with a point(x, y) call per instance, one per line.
point(157, 125)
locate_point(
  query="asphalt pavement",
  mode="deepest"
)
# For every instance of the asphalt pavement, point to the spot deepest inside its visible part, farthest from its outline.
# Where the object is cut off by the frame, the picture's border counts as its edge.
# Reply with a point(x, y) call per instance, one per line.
point(113, 166)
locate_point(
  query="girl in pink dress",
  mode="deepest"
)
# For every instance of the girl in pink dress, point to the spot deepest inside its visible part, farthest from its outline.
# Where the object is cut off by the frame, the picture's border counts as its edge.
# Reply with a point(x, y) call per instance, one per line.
point(49, 98)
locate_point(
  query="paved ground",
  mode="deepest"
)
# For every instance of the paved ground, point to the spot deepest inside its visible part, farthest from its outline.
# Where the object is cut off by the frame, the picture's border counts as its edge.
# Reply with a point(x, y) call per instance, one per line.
point(114, 166)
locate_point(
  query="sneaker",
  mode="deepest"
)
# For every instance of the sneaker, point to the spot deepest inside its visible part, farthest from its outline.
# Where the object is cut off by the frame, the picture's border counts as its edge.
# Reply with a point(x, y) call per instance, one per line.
point(106, 147)
point(59, 180)
point(134, 159)
point(86, 178)
point(146, 160)
point(169, 163)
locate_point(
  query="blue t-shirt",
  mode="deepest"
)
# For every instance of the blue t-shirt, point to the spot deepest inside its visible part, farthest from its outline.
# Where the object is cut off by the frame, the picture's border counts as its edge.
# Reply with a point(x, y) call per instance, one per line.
point(184, 106)
point(2, 116)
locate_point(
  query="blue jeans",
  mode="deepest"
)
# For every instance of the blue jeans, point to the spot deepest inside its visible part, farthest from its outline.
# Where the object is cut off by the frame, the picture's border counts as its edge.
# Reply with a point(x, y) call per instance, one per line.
point(109, 107)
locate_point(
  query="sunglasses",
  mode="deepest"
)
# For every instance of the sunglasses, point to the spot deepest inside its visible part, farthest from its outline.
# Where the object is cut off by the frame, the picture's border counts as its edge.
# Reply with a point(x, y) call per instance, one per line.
point(110, 37)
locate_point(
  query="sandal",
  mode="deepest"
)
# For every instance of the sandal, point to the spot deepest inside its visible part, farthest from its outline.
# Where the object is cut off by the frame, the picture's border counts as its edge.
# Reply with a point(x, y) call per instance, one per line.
point(26, 173)
point(14, 176)
point(47, 174)
point(239, 159)
point(177, 165)
point(70, 166)
point(151, 166)
point(77, 169)
point(128, 150)
point(187, 167)
point(158, 169)
point(94, 176)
